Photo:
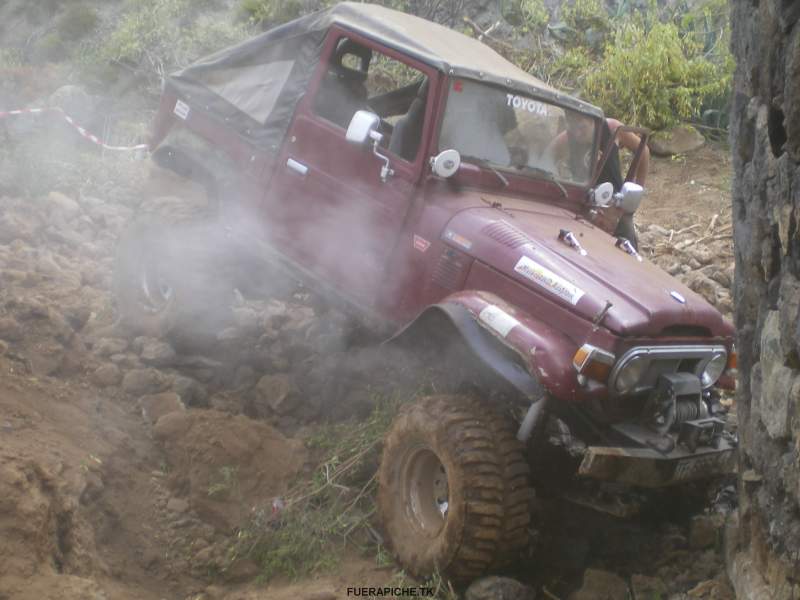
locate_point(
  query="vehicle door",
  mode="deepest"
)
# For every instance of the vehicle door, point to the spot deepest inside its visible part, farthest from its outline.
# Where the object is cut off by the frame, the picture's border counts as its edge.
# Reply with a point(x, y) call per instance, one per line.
point(327, 205)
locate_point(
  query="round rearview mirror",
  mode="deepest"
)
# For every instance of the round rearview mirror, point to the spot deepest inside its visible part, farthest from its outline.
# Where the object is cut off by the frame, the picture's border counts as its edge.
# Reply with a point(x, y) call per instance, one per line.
point(363, 126)
point(630, 197)
point(603, 194)
point(446, 163)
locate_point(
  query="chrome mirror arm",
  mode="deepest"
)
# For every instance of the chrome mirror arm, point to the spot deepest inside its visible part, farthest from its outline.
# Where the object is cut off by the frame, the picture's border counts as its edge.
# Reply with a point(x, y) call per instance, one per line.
point(386, 170)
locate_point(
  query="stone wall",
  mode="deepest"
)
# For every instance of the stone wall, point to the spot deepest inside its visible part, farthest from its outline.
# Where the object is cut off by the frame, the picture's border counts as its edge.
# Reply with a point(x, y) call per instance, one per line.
point(764, 559)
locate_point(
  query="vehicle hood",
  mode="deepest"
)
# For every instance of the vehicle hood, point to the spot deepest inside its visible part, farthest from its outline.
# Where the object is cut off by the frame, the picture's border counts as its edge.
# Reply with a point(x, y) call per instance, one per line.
point(521, 240)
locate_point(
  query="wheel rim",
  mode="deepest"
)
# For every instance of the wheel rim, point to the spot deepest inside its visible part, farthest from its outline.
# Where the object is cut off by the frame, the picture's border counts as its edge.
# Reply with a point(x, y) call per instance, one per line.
point(155, 293)
point(426, 490)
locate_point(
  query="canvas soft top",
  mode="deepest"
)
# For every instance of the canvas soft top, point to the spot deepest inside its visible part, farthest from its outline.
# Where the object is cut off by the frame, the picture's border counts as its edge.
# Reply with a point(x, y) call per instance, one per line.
point(256, 85)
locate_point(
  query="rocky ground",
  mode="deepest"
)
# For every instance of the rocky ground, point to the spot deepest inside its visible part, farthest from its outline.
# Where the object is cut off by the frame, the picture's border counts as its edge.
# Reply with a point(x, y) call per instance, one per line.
point(127, 468)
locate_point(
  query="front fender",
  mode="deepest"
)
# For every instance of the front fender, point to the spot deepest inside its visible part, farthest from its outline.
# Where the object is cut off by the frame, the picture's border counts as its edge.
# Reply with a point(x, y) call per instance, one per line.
point(488, 324)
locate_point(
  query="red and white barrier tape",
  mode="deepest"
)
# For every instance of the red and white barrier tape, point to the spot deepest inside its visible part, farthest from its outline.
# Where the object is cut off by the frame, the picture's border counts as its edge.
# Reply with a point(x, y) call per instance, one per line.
point(84, 134)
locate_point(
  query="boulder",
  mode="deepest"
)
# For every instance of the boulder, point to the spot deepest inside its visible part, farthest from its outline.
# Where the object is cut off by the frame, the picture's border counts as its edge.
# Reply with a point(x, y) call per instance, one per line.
point(192, 393)
point(156, 353)
point(702, 254)
point(140, 382)
point(107, 375)
point(10, 329)
point(177, 505)
point(498, 588)
point(61, 207)
point(704, 531)
point(48, 358)
point(61, 328)
point(77, 316)
point(645, 587)
point(274, 391)
point(109, 346)
point(155, 406)
point(14, 226)
point(676, 140)
point(601, 585)
point(248, 320)
point(703, 285)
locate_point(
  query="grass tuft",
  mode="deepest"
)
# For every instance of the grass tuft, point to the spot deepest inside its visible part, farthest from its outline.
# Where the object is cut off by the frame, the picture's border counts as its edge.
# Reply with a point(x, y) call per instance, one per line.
point(324, 513)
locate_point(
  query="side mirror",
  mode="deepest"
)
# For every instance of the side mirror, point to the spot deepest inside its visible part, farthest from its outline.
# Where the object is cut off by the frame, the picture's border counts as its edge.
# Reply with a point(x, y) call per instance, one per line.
point(446, 163)
point(630, 197)
point(603, 195)
point(363, 127)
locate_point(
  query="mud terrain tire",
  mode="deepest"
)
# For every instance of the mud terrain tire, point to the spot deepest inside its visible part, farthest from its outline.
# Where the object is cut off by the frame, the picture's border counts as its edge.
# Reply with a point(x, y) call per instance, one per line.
point(453, 449)
point(168, 283)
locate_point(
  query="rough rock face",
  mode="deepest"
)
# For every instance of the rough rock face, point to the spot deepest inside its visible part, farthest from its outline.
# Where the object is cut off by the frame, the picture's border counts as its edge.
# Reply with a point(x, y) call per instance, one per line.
point(766, 208)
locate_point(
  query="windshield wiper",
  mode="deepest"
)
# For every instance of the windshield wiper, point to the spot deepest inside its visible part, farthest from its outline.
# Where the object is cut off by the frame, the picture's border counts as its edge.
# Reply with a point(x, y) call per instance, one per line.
point(500, 176)
point(545, 174)
point(482, 162)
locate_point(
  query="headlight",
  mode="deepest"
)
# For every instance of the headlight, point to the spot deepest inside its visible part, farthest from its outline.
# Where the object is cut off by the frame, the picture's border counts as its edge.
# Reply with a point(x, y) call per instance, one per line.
point(630, 374)
point(714, 369)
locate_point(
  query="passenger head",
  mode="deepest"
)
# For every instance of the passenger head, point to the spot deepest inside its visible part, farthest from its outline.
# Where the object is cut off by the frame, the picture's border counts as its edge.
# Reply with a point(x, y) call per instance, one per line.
point(580, 127)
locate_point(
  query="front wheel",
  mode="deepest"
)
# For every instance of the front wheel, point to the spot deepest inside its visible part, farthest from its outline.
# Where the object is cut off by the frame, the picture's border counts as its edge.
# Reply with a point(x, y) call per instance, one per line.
point(453, 488)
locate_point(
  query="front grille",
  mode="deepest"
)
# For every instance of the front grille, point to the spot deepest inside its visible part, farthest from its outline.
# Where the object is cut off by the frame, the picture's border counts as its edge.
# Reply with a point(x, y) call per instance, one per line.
point(664, 360)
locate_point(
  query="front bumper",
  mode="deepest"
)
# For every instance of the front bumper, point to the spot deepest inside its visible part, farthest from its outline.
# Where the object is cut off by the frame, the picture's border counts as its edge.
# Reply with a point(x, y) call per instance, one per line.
point(646, 467)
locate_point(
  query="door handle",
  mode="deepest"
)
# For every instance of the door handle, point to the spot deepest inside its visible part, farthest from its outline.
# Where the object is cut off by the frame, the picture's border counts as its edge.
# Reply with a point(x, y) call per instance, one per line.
point(297, 167)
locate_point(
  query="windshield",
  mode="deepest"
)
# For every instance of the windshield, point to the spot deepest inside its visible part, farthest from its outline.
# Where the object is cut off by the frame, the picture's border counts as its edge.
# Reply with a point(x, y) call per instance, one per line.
point(493, 126)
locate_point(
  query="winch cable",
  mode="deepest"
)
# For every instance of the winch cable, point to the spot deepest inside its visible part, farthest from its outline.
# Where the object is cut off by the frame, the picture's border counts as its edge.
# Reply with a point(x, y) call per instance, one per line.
point(81, 130)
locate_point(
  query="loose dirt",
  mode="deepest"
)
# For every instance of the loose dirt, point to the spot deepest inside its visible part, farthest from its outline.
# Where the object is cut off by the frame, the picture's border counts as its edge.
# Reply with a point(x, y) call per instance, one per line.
point(688, 190)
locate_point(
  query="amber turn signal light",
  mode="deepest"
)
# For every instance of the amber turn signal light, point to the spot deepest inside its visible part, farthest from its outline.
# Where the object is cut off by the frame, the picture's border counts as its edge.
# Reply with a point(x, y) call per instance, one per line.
point(593, 363)
point(733, 360)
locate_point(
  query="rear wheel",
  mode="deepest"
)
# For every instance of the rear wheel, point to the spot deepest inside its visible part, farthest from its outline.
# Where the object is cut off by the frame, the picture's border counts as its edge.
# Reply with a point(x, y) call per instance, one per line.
point(453, 489)
point(169, 282)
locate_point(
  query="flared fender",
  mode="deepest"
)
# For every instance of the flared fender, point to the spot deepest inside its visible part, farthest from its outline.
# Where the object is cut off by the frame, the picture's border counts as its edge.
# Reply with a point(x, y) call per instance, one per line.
point(542, 356)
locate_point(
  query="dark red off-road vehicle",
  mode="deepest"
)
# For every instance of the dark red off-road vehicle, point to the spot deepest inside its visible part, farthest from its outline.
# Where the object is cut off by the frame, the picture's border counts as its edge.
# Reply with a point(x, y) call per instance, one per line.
point(451, 202)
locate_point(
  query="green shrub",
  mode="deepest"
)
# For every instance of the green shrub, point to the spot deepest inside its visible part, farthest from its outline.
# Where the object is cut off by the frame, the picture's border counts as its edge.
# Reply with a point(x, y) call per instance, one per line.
point(582, 14)
point(156, 37)
point(10, 57)
point(77, 21)
point(653, 78)
point(150, 27)
point(526, 15)
point(590, 22)
point(570, 69)
point(707, 25)
point(271, 12)
point(50, 47)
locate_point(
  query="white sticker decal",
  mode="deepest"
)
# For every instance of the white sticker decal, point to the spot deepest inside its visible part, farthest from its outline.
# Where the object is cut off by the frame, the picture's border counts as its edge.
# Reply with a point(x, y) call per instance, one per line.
point(532, 106)
point(498, 319)
point(546, 278)
point(181, 110)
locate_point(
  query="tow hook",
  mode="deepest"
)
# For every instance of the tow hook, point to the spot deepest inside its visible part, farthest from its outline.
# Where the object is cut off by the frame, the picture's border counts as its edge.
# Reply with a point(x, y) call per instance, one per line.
point(702, 432)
